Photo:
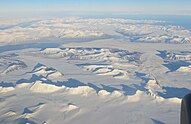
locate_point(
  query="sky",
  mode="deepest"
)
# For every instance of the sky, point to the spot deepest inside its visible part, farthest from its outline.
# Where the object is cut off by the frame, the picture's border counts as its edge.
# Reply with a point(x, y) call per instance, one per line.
point(164, 7)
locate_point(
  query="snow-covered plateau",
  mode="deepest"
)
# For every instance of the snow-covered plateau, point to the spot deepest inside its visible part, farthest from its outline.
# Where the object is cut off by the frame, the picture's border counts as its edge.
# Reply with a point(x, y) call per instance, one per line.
point(93, 71)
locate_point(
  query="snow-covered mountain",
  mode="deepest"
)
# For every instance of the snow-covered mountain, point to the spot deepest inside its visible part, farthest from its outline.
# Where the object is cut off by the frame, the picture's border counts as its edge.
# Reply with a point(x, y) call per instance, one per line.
point(76, 70)
point(90, 29)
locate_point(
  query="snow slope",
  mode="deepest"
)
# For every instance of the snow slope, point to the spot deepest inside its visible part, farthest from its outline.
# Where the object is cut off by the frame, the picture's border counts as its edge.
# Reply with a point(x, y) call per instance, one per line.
point(90, 29)
point(113, 72)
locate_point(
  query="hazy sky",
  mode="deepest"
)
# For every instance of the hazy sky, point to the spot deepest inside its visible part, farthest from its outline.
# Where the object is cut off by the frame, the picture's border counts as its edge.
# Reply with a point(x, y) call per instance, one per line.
point(172, 7)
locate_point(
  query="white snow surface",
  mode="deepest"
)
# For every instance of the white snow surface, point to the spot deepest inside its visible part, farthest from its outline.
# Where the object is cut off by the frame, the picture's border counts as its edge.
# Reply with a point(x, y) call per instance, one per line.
point(93, 71)
point(86, 29)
